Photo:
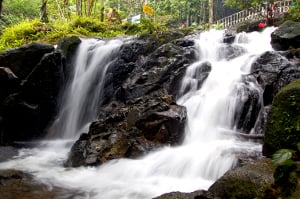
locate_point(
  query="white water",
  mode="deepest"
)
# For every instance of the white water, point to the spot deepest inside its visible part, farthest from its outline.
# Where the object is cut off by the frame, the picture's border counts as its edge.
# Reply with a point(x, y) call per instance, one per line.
point(204, 156)
point(77, 110)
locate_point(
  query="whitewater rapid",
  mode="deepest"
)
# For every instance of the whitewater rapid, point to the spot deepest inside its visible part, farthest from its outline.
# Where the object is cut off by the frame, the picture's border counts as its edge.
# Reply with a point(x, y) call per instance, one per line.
point(205, 155)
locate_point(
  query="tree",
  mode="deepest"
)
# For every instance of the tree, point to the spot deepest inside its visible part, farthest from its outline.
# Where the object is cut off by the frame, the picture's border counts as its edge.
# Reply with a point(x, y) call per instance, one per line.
point(1, 1)
point(43, 11)
point(211, 11)
point(244, 4)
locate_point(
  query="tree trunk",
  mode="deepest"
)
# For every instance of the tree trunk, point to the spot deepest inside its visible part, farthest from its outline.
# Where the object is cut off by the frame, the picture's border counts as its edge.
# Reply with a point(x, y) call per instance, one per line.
point(102, 11)
point(1, 8)
point(211, 11)
point(66, 8)
point(203, 12)
point(89, 7)
point(43, 11)
point(79, 7)
point(61, 12)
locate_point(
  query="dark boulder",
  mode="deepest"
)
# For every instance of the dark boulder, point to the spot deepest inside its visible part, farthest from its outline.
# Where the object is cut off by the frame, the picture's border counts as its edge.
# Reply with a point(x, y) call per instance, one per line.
point(67, 46)
point(229, 52)
point(229, 37)
point(273, 71)
point(26, 113)
point(23, 60)
point(248, 26)
point(34, 76)
point(249, 104)
point(130, 131)
point(286, 36)
point(9, 82)
point(138, 112)
point(163, 126)
point(282, 130)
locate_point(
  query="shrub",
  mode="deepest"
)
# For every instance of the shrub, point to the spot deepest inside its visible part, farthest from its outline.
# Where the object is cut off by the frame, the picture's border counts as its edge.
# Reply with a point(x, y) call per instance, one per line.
point(21, 33)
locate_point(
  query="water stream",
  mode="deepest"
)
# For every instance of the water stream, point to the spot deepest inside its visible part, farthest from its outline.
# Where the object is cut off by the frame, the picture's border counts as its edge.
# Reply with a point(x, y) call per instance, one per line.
point(206, 153)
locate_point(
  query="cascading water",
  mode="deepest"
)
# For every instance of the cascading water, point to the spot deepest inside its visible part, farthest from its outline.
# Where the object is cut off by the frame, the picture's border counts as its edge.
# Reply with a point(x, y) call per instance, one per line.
point(83, 94)
point(206, 154)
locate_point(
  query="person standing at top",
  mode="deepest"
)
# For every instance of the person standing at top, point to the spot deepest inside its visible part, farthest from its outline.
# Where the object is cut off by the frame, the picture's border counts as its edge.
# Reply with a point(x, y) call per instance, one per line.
point(113, 16)
point(270, 14)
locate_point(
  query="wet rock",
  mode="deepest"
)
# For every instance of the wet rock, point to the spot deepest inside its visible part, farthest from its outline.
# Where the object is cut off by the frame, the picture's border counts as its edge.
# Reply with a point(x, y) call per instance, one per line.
point(23, 60)
point(34, 106)
point(138, 112)
point(7, 152)
point(17, 184)
point(229, 37)
point(180, 195)
point(30, 107)
point(8, 82)
point(230, 52)
point(287, 35)
point(164, 126)
point(67, 46)
point(282, 130)
point(131, 131)
point(273, 72)
point(249, 104)
point(248, 26)
point(260, 125)
point(247, 182)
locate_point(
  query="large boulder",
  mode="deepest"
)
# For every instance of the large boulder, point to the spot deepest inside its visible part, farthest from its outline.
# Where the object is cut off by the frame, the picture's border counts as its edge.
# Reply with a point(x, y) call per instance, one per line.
point(30, 82)
point(138, 112)
point(283, 126)
point(132, 131)
point(8, 82)
point(246, 182)
point(27, 112)
point(287, 35)
point(22, 60)
point(273, 71)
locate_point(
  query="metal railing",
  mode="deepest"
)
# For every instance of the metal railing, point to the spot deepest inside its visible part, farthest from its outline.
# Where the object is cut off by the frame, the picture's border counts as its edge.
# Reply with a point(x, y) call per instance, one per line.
point(254, 13)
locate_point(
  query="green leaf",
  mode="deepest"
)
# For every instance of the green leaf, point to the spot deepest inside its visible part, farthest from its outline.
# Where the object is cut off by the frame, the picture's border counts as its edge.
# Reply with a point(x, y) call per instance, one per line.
point(283, 157)
point(298, 146)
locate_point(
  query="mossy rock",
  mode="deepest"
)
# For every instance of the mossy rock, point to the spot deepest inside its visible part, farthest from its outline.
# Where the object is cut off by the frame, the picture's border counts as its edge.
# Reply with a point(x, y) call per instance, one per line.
point(247, 182)
point(283, 126)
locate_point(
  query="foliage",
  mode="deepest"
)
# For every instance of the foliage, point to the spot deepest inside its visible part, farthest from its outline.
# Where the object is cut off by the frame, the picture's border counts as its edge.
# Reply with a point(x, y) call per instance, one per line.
point(243, 4)
point(23, 9)
point(218, 26)
point(294, 12)
point(21, 33)
point(15, 11)
point(286, 172)
point(34, 30)
point(283, 157)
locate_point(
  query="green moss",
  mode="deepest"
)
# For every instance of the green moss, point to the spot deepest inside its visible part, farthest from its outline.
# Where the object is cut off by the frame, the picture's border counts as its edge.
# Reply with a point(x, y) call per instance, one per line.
point(283, 126)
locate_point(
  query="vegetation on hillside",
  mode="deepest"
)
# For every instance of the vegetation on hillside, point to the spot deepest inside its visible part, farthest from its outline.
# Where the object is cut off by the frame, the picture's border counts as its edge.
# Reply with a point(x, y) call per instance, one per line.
point(24, 21)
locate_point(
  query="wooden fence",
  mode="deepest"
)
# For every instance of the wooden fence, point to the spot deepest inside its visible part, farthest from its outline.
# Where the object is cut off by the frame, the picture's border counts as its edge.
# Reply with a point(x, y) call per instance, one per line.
point(254, 13)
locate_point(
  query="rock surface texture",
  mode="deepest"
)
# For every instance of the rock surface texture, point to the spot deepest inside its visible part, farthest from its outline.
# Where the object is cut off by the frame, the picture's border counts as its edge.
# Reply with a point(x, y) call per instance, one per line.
point(286, 36)
point(31, 78)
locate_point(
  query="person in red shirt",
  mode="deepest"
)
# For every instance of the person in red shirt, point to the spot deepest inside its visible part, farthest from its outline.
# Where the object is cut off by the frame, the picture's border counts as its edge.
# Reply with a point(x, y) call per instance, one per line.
point(261, 25)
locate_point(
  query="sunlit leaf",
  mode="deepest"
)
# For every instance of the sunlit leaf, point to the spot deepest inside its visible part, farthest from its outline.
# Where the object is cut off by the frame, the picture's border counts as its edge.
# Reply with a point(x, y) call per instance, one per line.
point(282, 157)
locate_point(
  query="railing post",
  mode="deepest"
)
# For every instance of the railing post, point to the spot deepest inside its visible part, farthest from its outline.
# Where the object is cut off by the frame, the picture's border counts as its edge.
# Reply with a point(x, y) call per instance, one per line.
point(254, 13)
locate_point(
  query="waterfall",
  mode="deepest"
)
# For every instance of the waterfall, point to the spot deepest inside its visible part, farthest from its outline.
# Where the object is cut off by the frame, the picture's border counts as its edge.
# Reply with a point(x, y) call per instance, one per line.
point(208, 151)
point(83, 93)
